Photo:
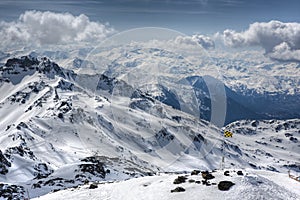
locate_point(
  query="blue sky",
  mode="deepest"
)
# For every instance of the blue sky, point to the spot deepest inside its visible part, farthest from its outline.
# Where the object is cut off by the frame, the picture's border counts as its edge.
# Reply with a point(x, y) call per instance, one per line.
point(187, 16)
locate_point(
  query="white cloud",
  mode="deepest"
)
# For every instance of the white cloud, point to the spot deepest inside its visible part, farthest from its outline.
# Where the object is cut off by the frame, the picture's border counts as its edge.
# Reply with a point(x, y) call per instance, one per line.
point(38, 28)
point(284, 52)
point(280, 40)
point(204, 41)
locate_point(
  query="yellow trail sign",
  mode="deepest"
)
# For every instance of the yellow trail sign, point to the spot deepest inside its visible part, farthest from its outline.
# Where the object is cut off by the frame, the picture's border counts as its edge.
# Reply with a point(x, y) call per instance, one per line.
point(227, 134)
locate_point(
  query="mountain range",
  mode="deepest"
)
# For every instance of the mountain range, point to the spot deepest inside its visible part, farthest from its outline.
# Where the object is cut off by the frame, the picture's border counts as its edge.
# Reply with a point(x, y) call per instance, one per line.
point(61, 127)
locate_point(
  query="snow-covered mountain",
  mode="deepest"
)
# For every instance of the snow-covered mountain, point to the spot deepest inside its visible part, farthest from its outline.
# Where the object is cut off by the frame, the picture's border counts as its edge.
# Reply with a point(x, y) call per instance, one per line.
point(255, 87)
point(61, 129)
point(62, 124)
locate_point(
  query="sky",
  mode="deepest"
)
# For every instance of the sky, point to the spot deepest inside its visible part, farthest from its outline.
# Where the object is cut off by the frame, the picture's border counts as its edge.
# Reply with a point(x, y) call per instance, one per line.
point(187, 16)
point(271, 26)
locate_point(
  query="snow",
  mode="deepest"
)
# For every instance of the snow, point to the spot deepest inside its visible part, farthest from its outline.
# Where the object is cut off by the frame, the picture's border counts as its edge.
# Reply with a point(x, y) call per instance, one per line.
point(255, 185)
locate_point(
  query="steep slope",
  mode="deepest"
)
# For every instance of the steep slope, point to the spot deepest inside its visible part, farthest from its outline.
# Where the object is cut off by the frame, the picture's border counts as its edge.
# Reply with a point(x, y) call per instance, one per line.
point(272, 143)
point(60, 123)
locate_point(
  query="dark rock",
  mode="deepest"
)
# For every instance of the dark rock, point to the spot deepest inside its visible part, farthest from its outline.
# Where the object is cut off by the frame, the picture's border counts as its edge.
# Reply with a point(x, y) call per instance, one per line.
point(262, 143)
point(278, 140)
point(69, 181)
point(253, 166)
point(93, 166)
point(207, 176)
point(178, 189)
point(106, 83)
point(164, 137)
point(24, 62)
point(268, 154)
point(93, 186)
point(42, 171)
point(179, 180)
point(11, 191)
point(60, 115)
point(288, 134)
point(270, 168)
point(254, 123)
point(8, 127)
point(195, 172)
point(294, 167)
point(79, 177)
point(293, 139)
point(198, 138)
point(53, 181)
point(23, 125)
point(36, 185)
point(235, 148)
point(149, 173)
point(65, 107)
point(226, 173)
point(278, 127)
point(4, 164)
point(20, 150)
point(240, 173)
point(176, 118)
point(225, 185)
point(191, 181)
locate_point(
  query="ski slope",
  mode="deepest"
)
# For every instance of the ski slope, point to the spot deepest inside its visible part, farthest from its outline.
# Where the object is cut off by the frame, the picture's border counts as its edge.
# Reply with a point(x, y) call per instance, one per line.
point(257, 184)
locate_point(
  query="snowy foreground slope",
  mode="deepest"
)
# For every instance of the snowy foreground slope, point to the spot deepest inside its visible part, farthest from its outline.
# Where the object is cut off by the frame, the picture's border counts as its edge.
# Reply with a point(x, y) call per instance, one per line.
point(60, 129)
point(253, 184)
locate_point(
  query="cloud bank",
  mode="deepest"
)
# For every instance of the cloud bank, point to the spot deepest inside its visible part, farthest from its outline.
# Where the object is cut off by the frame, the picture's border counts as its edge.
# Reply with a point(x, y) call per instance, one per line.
point(281, 41)
point(41, 28)
point(204, 41)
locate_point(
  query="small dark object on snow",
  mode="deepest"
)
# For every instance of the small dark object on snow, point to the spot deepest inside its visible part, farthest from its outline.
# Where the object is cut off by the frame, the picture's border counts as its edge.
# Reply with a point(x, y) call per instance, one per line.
point(191, 181)
point(240, 173)
point(93, 186)
point(60, 115)
point(293, 139)
point(178, 189)
point(180, 179)
point(226, 173)
point(55, 190)
point(225, 185)
point(195, 172)
point(207, 176)
point(198, 182)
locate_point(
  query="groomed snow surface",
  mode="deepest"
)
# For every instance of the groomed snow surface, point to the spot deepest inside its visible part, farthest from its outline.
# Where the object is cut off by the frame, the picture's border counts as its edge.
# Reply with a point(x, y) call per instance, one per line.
point(253, 184)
